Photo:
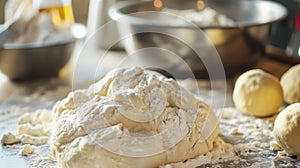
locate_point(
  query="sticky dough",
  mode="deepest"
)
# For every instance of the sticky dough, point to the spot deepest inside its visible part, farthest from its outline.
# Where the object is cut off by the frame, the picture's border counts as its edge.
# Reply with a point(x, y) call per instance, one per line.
point(131, 118)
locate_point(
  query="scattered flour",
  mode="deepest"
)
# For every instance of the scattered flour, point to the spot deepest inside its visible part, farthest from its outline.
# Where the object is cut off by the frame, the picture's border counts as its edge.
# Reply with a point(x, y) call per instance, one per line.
point(221, 152)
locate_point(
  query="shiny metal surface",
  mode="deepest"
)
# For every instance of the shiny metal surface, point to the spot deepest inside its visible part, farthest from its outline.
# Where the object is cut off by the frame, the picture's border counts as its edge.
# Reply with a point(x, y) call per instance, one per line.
point(5, 34)
point(239, 46)
point(97, 17)
point(31, 61)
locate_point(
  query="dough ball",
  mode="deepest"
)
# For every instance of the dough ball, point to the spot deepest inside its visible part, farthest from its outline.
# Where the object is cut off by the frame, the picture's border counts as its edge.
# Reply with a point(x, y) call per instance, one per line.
point(287, 129)
point(290, 82)
point(131, 118)
point(258, 93)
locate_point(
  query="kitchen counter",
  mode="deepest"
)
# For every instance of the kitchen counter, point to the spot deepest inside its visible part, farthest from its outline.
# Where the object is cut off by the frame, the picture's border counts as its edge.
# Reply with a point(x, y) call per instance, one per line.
point(16, 99)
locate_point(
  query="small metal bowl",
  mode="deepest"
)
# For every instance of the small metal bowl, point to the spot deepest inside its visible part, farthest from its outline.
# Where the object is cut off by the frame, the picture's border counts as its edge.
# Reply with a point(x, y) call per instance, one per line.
point(22, 62)
point(240, 46)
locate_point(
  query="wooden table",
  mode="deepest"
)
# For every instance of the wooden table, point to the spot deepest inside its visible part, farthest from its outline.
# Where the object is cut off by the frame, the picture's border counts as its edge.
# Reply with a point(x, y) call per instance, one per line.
point(18, 98)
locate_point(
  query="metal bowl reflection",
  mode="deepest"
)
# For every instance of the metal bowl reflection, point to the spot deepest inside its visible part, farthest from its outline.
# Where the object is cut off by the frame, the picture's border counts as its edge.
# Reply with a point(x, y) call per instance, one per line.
point(22, 62)
point(239, 46)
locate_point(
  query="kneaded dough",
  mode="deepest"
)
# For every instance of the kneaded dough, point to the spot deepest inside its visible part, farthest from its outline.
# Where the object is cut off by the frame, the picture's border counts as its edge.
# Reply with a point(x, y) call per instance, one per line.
point(290, 82)
point(258, 93)
point(131, 118)
point(287, 129)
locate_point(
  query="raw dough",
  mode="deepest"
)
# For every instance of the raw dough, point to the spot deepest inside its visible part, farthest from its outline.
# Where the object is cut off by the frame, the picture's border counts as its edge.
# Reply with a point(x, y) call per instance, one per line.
point(290, 82)
point(258, 93)
point(9, 139)
point(287, 129)
point(131, 118)
point(27, 150)
point(34, 128)
point(34, 140)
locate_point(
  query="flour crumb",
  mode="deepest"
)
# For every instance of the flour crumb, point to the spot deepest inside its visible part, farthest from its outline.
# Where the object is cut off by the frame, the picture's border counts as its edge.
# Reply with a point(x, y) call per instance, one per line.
point(50, 159)
point(9, 139)
point(256, 144)
point(275, 146)
point(282, 153)
point(235, 131)
point(27, 150)
point(227, 113)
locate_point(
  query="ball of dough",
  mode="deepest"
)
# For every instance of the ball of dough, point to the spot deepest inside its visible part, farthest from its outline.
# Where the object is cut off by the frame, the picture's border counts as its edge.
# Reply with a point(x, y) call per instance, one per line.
point(287, 129)
point(131, 118)
point(290, 82)
point(258, 93)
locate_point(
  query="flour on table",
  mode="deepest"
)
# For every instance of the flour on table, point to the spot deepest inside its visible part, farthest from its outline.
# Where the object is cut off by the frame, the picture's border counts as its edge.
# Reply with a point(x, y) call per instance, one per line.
point(221, 152)
point(250, 138)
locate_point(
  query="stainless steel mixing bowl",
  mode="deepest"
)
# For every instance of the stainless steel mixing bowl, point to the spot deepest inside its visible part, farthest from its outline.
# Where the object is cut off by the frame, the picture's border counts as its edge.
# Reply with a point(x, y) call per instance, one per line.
point(31, 61)
point(239, 46)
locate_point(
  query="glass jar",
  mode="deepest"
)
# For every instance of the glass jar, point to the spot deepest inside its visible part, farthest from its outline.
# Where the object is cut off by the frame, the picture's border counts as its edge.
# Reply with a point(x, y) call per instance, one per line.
point(61, 10)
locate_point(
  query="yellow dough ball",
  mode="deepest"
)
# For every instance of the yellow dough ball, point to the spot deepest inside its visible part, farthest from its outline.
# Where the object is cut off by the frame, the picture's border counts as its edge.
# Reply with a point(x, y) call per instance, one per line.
point(258, 93)
point(287, 129)
point(290, 82)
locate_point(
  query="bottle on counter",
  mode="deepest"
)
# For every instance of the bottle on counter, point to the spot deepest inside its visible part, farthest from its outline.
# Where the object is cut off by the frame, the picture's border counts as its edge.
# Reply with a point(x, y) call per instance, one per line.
point(61, 10)
point(97, 17)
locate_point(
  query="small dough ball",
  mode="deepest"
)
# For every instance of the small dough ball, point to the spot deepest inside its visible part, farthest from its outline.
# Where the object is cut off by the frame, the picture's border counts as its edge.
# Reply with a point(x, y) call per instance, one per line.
point(258, 93)
point(290, 82)
point(287, 129)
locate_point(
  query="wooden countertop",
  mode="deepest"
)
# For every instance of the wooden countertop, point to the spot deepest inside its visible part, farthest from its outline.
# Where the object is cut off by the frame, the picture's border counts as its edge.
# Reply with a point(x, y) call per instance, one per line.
point(29, 96)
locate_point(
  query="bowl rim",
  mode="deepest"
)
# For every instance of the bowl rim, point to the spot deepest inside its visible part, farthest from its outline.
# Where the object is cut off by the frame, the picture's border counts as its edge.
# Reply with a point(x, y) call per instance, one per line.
point(32, 45)
point(11, 46)
point(115, 14)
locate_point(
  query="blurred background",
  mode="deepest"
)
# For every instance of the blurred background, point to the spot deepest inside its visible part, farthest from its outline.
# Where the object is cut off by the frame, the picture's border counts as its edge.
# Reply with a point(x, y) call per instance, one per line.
point(259, 26)
point(287, 28)
point(80, 9)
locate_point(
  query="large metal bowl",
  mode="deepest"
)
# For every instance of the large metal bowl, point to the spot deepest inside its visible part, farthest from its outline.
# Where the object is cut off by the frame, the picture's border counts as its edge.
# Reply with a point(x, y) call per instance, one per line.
point(22, 62)
point(239, 46)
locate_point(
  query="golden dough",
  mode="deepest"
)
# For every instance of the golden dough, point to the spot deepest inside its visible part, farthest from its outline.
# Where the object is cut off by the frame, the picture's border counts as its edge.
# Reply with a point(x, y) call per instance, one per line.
point(287, 129)
point(290, 82)
point(258, 93)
